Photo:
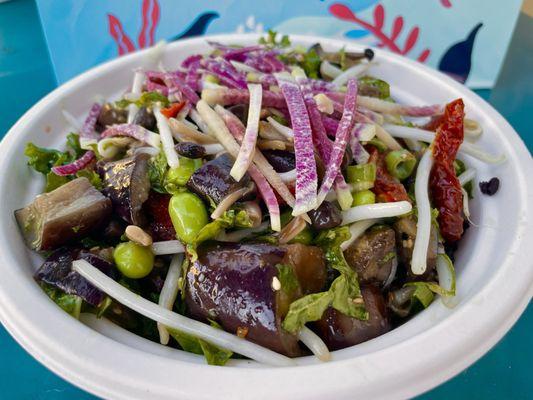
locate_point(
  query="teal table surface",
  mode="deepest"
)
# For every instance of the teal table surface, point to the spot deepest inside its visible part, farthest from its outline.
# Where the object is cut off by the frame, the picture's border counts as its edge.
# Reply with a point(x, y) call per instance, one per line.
point(26, 76)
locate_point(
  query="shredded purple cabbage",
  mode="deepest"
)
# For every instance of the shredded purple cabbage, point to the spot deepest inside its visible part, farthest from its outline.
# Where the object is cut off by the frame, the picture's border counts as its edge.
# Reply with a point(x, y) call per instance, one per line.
point(87, 130)
point(341, 139)
point(226, 73)
point(175, 82)
point(75, 166)
point(306, 175)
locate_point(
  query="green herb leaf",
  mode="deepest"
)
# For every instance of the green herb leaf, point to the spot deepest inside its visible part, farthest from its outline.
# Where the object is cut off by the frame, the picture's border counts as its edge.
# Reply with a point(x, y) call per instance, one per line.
point(374, 87)
point(73, 144)
point(287, 278)
point(147, 99)
point(157, 169)
point(311, 64)
point(270, 40)
point(42, 160)
point(242, 219)
point(68, 302)
point(92, 176)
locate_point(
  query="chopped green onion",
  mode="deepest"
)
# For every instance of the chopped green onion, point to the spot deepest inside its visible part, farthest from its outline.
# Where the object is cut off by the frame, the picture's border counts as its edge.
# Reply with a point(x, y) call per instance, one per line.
point(361, 176)
point(363, 197)
point(400, 163)
point(378, 144)
point(211, 79)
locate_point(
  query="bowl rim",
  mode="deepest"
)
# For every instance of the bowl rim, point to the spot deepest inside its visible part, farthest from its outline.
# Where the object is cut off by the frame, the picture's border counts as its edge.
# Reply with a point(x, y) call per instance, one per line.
point(97, 376)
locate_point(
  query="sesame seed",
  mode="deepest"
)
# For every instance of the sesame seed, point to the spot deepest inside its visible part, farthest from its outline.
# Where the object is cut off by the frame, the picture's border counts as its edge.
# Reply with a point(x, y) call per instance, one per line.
point(276, 284)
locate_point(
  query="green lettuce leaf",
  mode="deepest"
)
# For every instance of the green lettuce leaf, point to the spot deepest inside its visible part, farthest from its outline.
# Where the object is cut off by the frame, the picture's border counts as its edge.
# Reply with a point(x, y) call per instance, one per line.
point(213, 354)
point(42, 160)
point(92, 176)
point(344, 293)
point(73, 145)
point(53, 181)
point(68, 302)
point(306, 309)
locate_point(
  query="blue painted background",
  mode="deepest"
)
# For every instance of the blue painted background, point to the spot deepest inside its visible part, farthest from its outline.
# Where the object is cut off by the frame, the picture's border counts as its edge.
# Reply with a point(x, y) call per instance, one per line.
point(26, 75)
point(77, 31)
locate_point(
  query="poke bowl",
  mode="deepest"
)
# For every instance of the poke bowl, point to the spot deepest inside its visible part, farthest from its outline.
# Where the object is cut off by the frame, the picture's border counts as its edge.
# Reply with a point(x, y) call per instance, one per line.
point(262, 260)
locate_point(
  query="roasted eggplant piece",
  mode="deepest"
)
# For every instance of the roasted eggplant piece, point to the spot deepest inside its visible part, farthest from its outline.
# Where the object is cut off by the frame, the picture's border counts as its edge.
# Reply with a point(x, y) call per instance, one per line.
point(308, 264)
point(326, 216)
point(212, 181)
point(372, 255)
point(339, 331)
point(405, 229)
point(145, 119)
point(127, 184)
point(110, 115)
point(248, 288)
point(57, 271)
point(281, 160)
point(63, 215)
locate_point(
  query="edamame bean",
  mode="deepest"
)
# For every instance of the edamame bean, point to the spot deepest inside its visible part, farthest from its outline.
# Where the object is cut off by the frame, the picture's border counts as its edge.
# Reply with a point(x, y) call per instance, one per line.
point(188, 215)
point(180, 175)
point(133, 260)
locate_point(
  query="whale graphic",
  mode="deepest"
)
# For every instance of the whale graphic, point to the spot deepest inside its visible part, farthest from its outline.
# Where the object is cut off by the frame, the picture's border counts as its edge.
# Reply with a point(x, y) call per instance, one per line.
point(457, 60)
point(198, 26)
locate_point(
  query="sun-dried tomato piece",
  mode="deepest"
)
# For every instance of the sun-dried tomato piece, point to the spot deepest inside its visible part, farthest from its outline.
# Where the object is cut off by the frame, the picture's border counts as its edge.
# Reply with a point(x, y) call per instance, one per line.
point(444, 185)
point(386, 187)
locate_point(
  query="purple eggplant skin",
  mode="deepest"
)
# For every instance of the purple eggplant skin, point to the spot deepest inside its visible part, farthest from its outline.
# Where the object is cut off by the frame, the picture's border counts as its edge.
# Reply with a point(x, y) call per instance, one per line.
point(63, 215)
point(57, 271)
point(232, 284)
point(110, 115)
point(212, 181)
point(145, 119)
point(326, 216)
point(127, 184)
point(281, 160)
point(339, 331)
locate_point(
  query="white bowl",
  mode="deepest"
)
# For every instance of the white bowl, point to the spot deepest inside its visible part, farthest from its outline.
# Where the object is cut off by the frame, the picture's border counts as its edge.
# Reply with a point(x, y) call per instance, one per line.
point(494, 264)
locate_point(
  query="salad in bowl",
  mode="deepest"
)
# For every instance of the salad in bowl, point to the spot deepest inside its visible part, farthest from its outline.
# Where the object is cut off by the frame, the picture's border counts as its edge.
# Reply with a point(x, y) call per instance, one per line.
point(264, 201)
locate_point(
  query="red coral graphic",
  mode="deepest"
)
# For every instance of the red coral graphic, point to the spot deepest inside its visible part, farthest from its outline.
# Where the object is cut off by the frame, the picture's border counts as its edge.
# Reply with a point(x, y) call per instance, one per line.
point(376, 28)
point(150, 20)
point(124, 43)
point(446, 3)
